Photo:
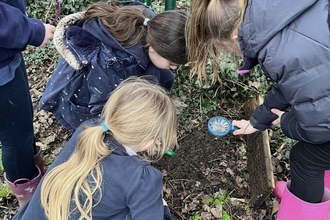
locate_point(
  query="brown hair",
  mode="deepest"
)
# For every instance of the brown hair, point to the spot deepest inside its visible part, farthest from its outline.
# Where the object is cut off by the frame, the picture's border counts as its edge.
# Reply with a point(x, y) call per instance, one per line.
point(165, 32)
point(210, 30)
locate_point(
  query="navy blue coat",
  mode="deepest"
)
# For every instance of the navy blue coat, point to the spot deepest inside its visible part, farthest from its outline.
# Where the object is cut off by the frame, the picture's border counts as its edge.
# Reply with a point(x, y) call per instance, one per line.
point(130, 185)
point(290, 41)
point(93, 65)
point(17, 30)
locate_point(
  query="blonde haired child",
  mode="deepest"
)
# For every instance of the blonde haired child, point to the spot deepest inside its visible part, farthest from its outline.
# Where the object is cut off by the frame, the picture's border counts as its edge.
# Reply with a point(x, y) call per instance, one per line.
point(98, 174)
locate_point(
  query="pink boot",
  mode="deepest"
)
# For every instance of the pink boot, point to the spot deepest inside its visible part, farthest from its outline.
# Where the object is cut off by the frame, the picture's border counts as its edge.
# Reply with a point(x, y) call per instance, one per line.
point(293, 208)
point(24, 191)
point(280, 186)
point(327, 179)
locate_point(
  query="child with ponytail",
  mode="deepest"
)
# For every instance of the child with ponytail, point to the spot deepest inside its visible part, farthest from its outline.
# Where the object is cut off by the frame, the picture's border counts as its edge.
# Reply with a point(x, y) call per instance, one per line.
point(99, 173)
point(290, 42)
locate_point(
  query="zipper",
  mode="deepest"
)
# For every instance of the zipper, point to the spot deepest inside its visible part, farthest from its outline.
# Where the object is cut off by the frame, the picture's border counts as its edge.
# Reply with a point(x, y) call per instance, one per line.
point(81, 58)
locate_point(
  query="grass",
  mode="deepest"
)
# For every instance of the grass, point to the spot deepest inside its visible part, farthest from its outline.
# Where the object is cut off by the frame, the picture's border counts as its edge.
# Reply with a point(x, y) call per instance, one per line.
point(4, 189)
point(217, 203)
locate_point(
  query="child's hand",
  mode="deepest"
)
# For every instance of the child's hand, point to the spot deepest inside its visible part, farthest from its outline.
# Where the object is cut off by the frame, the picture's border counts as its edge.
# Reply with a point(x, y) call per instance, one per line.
point(279, 114)
point(244, 127)
point(49, 33)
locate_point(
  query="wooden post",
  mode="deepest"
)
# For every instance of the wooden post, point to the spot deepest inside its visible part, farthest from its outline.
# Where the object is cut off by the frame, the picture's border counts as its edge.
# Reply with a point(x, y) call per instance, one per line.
point(259, 163)
point(170, 4)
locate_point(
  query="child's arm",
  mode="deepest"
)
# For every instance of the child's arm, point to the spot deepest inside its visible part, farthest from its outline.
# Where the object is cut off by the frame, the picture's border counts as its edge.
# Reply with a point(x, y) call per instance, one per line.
point(17, 30)
point(262, 117)
point(145, 195)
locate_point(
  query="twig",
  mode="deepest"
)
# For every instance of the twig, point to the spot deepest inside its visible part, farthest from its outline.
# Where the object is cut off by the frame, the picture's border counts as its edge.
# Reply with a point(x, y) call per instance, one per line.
point(177, 213)
point(4, 207)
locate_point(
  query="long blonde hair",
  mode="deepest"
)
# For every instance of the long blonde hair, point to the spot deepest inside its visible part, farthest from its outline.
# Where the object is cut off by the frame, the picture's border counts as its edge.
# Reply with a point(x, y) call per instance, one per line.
point(136, 112)
point(209, 32)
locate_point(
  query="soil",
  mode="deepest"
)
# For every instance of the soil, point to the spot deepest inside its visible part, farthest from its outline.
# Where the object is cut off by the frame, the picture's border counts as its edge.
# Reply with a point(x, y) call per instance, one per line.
point(207, 166)
point(205, 169)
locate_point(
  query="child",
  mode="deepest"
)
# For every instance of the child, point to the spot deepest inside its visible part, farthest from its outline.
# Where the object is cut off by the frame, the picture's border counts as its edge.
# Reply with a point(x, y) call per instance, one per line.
point(98, 174)
point(103, 46)
point(290, 41)
point(22, 160)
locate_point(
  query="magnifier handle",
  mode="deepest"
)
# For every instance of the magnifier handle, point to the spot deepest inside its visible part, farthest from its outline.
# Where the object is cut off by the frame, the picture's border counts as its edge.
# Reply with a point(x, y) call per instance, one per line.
point(171, 153)
point(233, 128)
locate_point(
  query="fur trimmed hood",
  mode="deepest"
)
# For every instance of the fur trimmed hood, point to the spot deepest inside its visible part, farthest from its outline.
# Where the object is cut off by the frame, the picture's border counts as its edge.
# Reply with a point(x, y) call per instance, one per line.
point(60, 34)
point(78, 41)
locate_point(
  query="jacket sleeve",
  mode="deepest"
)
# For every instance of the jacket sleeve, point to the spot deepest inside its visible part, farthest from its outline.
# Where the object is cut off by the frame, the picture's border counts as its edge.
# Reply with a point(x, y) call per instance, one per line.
point(262, 117)
point(17, 30)
point(145, 195)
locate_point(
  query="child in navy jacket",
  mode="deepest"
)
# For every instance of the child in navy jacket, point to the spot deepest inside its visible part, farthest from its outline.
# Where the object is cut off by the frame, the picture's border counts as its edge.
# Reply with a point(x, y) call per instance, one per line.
point(99, 174)
point(104, 45)
point(20, 155)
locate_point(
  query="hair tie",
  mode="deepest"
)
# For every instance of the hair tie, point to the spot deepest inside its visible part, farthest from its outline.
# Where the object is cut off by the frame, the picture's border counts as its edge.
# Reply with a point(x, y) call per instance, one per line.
point(104, 127)
point(145, 23)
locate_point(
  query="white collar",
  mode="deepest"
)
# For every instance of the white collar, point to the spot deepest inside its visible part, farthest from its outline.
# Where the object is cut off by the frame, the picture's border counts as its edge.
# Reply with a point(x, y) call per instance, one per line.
point(130, 151)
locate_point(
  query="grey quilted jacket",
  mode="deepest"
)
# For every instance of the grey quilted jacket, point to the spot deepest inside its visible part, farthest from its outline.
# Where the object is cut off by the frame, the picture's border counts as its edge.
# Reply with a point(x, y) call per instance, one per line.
point(290, 40)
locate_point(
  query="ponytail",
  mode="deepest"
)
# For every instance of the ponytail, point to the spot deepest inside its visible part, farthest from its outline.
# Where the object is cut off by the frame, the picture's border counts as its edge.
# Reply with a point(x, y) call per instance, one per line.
point(70, 179)
point(209, 34)
point(125, 24)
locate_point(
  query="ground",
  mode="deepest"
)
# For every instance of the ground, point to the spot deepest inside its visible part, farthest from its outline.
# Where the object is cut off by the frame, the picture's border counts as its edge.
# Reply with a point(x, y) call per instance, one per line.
point(204, 166)
point(207, 166)
point(207, 178)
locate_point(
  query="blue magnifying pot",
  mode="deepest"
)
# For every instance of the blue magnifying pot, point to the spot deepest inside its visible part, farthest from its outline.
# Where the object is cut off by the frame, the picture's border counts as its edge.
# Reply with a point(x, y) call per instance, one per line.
point(219, 126)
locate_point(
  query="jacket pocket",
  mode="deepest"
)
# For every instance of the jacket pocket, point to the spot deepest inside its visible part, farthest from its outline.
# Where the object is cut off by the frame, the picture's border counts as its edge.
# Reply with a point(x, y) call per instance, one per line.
point(74, 114)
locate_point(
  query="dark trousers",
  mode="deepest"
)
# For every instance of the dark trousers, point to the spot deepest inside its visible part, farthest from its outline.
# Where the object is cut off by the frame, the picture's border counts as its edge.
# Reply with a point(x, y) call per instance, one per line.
point(307, 164)
point(16, 127)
